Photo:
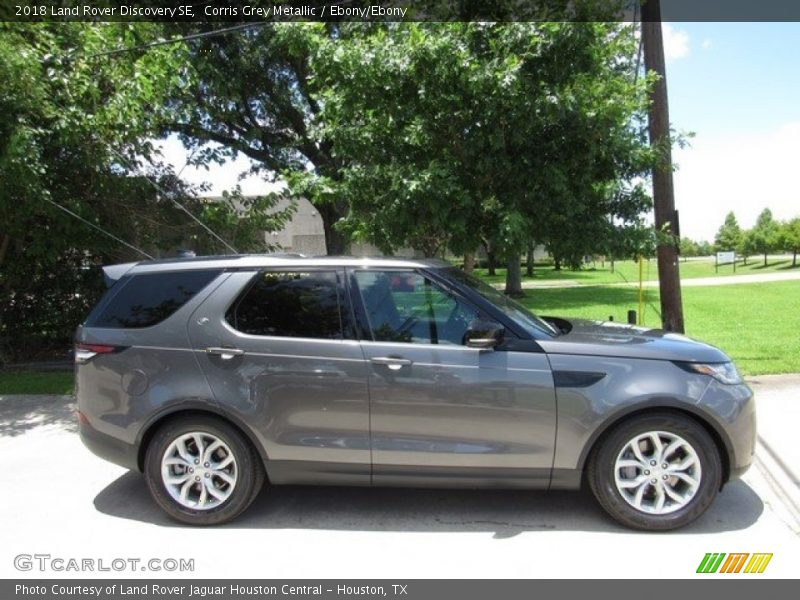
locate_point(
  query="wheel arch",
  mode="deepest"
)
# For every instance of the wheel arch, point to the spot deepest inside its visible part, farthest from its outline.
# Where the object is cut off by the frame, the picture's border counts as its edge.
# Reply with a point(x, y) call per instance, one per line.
point(199, 409)
point(717, 434)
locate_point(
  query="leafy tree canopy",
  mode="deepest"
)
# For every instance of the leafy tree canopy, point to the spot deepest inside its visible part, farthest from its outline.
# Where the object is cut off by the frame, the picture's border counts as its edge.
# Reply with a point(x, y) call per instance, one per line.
point(729, 235)
point(455, 133)
point(76, 130)
point(764, 237)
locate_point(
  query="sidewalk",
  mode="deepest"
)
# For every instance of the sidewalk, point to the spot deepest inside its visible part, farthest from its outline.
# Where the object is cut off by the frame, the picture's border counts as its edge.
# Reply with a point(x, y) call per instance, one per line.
point(777, 450)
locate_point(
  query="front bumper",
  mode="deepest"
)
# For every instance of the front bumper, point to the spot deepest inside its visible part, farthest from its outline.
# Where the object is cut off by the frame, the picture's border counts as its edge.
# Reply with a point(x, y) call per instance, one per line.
point(735, 411)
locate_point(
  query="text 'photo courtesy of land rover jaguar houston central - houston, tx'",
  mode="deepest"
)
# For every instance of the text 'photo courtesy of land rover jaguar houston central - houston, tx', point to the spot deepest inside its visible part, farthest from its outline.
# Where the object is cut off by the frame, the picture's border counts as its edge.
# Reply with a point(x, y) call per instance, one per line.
point(215, 375)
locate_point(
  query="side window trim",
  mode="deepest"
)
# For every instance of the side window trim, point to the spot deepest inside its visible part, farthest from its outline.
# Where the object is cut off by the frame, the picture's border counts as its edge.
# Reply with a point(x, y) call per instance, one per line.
point(433, 329)
point(361, 320)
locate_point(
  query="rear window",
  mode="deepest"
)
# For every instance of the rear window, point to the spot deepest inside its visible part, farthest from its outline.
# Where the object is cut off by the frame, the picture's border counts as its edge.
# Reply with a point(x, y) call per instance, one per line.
point(147, 299)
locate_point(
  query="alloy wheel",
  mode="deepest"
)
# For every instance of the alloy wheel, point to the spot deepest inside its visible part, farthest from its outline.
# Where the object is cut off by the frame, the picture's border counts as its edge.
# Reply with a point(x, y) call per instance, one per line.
point(657, 472)
point(199, 470)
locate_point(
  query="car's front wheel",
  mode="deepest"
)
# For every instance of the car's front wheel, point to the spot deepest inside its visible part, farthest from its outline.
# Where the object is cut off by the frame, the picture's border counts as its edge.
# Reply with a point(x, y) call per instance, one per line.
point(656, 471)
point(202, 471)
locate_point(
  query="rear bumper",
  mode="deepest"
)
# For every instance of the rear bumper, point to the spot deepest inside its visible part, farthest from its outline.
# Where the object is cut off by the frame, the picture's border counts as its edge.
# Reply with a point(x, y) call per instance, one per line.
point(108, 447)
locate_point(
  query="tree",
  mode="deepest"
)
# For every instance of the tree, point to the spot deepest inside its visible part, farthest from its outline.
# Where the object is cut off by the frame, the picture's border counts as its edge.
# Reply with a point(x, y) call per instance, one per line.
point(629, 243)
point(764, 235)
point(255, 92)
point(559, 150)
point(530, 258)
point(689, 248)
point(458, 133)
point(398, 105)
point(789, 238)
point(729, 235)
point(75, 133)
point(61, 115)
point(747, 245)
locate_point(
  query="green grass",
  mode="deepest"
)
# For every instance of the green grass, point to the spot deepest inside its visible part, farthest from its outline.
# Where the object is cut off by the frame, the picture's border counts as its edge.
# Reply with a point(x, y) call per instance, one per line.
point(758, 325)
point(36, 382)
point(628, 270)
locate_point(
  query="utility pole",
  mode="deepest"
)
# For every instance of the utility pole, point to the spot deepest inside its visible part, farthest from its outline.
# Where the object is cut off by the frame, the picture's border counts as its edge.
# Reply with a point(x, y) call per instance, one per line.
point(663, 191)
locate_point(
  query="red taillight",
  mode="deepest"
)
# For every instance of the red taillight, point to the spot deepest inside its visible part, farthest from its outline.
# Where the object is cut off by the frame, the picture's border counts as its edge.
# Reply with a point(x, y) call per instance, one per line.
point(86, 352)
point(96, 348)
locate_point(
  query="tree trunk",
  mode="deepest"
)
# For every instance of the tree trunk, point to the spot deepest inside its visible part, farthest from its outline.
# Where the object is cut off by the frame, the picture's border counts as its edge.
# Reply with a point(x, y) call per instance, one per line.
point(765, 259)
point(514, 275)
point(557, 263)
point(529, 259)
point(5, 240)
point(611, 263)
point(429, 248)
point(794, 258)
point(335, 243)
point(469, 261)
point(491, 260)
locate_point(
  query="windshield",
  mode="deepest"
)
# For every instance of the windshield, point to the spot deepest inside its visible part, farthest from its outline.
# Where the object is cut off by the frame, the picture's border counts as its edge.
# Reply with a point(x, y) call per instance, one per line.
point(514, 310)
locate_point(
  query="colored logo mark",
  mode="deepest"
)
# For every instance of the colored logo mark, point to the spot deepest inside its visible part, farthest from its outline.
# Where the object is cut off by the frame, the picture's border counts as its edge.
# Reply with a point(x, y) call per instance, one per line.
point(735, 562)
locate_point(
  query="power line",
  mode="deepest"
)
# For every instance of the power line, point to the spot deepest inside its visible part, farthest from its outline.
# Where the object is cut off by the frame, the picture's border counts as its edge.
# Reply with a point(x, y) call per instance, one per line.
point(200, 35)
point(100, 229)
point(194, 36)
point(179, 205)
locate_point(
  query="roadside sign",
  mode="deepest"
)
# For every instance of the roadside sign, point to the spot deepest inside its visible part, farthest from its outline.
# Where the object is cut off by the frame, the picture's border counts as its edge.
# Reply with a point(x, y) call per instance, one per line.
point(725, 258)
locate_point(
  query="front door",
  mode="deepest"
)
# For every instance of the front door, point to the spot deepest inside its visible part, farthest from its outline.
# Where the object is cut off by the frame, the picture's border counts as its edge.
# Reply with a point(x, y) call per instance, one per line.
point(442, 412)
point(278, 351)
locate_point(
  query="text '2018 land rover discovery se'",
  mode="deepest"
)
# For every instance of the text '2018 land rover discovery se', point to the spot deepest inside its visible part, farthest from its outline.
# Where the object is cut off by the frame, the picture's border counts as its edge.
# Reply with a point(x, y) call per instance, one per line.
point(212, 375)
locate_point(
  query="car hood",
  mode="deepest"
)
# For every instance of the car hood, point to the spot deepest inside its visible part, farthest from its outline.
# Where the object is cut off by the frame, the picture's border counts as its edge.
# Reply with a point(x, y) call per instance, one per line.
point(599, 338)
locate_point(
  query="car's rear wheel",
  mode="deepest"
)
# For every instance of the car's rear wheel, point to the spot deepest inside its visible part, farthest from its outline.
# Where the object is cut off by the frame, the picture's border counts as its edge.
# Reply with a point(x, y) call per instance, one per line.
point(202, 471)
point(656, 471)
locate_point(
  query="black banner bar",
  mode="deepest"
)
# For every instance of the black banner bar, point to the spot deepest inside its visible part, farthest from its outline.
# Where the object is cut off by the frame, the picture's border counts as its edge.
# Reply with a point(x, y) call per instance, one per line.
point(732, 588)
point(276, 11)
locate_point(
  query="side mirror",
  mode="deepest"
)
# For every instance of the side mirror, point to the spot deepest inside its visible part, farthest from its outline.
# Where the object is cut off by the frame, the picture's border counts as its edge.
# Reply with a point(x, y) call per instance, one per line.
point(484, 334)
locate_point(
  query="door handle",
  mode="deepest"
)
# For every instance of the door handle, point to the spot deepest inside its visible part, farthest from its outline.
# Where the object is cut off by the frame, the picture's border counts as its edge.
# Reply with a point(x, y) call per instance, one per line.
point(394, 363)
point(225, 353)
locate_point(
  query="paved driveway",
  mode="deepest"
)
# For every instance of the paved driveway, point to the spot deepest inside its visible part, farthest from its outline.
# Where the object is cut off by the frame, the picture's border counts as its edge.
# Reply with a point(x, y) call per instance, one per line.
point(61, 500)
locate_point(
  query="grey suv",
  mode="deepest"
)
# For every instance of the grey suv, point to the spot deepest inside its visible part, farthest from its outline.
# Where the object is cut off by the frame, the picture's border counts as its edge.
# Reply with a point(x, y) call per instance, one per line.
point(212, 375)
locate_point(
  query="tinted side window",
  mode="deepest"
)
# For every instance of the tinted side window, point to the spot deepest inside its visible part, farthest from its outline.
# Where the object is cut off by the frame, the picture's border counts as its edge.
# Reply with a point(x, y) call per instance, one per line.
point(405, 306)
point(149, 298)
point(296, 304)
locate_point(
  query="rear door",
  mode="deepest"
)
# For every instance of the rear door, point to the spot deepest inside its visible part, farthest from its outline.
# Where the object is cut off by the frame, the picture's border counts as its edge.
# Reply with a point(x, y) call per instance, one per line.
point(442, 412)
point(278, 350)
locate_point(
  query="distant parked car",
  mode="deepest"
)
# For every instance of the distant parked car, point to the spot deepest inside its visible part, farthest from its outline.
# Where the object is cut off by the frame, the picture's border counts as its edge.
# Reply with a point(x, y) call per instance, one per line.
point(212, 375)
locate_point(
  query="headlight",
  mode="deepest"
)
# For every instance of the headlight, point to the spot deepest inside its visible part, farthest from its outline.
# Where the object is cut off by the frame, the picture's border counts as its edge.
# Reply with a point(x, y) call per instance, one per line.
point(724, 372)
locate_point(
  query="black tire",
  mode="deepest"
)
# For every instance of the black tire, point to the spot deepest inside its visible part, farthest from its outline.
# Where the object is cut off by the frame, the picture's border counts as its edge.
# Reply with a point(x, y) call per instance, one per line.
point(600, 471)
point(249, 478)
